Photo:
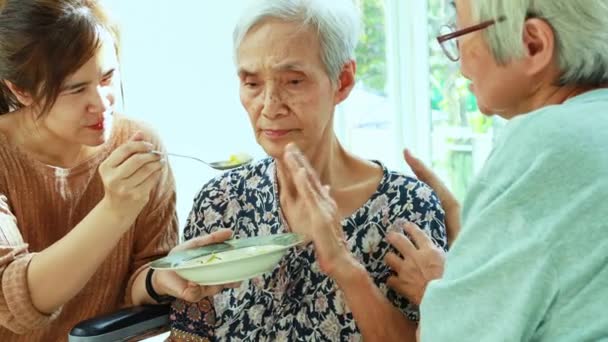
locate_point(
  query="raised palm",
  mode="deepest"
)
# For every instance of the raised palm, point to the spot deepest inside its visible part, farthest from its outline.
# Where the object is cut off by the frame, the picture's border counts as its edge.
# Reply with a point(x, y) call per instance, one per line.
point(313, 212)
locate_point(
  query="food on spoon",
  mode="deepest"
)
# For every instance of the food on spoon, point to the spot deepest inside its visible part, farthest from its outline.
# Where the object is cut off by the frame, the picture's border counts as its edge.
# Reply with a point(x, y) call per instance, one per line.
point(239, 158)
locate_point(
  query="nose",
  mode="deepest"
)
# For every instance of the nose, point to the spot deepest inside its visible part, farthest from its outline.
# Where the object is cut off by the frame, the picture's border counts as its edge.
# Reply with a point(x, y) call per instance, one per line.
point(272, 106)
point(101, 100)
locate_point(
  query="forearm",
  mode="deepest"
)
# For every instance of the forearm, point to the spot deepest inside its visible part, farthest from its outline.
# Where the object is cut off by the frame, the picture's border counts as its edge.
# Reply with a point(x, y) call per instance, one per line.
point(377, 318)
point(58, 273)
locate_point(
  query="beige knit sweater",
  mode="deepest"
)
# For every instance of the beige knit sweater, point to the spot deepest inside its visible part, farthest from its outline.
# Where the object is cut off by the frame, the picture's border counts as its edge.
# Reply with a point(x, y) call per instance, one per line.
point(39, 204)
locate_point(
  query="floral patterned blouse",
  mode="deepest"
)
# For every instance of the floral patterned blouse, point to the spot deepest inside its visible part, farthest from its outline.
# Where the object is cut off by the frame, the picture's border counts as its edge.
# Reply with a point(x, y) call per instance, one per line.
point(296, 301)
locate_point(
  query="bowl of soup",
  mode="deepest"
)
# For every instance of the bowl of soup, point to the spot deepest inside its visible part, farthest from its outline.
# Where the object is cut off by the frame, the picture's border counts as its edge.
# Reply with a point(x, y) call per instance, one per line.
point(231, 261)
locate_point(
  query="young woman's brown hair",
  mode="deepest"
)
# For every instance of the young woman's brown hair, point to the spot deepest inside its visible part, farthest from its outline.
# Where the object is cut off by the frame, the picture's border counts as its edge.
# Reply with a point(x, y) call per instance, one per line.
point(44, 41)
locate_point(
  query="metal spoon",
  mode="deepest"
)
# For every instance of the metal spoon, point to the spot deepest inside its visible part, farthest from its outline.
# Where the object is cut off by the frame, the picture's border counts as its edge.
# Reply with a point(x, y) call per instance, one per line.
point(218, 165)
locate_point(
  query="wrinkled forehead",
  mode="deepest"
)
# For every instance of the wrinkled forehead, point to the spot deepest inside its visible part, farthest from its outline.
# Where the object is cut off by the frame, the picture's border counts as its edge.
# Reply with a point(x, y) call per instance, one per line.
point(279, 46)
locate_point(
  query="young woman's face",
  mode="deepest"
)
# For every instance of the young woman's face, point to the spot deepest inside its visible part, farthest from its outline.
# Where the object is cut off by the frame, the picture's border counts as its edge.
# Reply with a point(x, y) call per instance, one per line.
point(83, 110)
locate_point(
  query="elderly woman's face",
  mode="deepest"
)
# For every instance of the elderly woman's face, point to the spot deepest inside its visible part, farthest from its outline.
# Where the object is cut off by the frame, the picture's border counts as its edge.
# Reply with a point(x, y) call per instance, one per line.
point(284, 86)
point(497, 88)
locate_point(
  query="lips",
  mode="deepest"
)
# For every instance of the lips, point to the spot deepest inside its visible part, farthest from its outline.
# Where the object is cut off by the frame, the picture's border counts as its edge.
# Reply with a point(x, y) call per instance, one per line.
point(98, 126)
point(276, 133)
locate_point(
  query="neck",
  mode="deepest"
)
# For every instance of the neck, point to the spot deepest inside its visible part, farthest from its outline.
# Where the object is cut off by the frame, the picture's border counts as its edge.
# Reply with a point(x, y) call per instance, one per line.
point(329, 160)
point(43, 144)
point(547, 96)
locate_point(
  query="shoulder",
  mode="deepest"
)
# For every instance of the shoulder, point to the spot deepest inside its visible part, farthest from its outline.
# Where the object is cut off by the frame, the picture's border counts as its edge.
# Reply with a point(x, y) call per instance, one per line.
point(561, 143)
point(8, 123)
point(411, 200)
point(408, 189)
point(575, 127)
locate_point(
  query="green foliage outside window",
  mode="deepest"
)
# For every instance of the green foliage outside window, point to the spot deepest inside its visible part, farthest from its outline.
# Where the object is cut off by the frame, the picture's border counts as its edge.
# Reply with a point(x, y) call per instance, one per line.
point(453, 106)
point(371, 51)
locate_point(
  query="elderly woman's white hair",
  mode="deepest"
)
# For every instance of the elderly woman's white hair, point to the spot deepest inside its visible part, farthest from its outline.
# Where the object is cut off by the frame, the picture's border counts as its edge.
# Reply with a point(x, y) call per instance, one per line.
point(336, 22)
point(581, 33)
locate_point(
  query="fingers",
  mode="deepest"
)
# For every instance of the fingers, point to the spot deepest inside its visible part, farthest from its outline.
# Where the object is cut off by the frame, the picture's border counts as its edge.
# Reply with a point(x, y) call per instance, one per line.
point(149, 182)
point(144, 178)
point(392, 282)
point(303, 182)
point(297, 161)
point(307, 182)
point(448, 200)
point(138, 136)
point(402, 244)
point(425, 174)
point(223, 286)
point(126, 150)
point(209, 291)
point(393, 261)
point(407, 290)
point(402, 288)
point(326, 190)
point(140, 164)
point(396, 284)
point(418, 237)
point(308, 177)
point(195, 293)
point(215, 237)
point(418, 167)
point(318, 203)
point(305, 188)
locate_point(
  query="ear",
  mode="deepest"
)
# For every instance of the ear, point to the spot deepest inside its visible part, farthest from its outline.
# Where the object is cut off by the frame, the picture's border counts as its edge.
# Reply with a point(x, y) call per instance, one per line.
point(22, 96)
point(539, 45)
point(346, 81)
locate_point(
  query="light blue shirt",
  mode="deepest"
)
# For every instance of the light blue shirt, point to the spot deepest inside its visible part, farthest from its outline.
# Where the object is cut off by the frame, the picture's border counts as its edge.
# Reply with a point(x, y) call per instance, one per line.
point(531, 261)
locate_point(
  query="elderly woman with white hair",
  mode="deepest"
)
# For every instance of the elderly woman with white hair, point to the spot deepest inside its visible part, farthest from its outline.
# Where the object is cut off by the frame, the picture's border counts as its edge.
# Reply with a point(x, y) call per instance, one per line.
point(531, 260)
point(295, 64)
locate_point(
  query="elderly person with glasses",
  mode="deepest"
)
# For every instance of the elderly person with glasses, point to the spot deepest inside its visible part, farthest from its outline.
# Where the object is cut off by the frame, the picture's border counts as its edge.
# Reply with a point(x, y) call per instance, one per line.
point(531, 261)
point(295, 64)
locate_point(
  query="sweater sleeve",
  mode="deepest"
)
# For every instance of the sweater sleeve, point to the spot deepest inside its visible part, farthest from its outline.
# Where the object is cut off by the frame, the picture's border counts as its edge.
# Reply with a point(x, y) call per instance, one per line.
point(156, 228)
point(17, 312)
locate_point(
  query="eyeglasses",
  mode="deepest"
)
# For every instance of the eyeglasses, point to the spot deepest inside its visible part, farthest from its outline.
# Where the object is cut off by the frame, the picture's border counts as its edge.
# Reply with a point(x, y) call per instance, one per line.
point(448, 34)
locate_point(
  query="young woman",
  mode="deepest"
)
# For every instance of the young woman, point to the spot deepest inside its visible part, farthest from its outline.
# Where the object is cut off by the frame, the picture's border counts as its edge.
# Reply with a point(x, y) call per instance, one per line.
point(84, 205)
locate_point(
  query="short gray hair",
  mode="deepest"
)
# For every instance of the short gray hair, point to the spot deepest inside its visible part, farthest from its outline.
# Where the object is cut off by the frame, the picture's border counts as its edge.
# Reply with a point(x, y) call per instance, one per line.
point(336, 22)
point(580, 27)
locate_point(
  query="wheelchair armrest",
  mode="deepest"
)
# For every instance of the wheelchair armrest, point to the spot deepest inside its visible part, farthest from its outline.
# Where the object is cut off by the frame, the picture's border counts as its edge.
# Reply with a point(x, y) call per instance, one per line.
point(121, 325)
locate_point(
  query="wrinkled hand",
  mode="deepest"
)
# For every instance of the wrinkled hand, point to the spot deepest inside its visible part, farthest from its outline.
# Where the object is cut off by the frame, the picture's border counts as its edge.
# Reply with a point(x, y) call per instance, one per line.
point(422, 262)
point(448, 201)
point(322, 223)
point(169, 283)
